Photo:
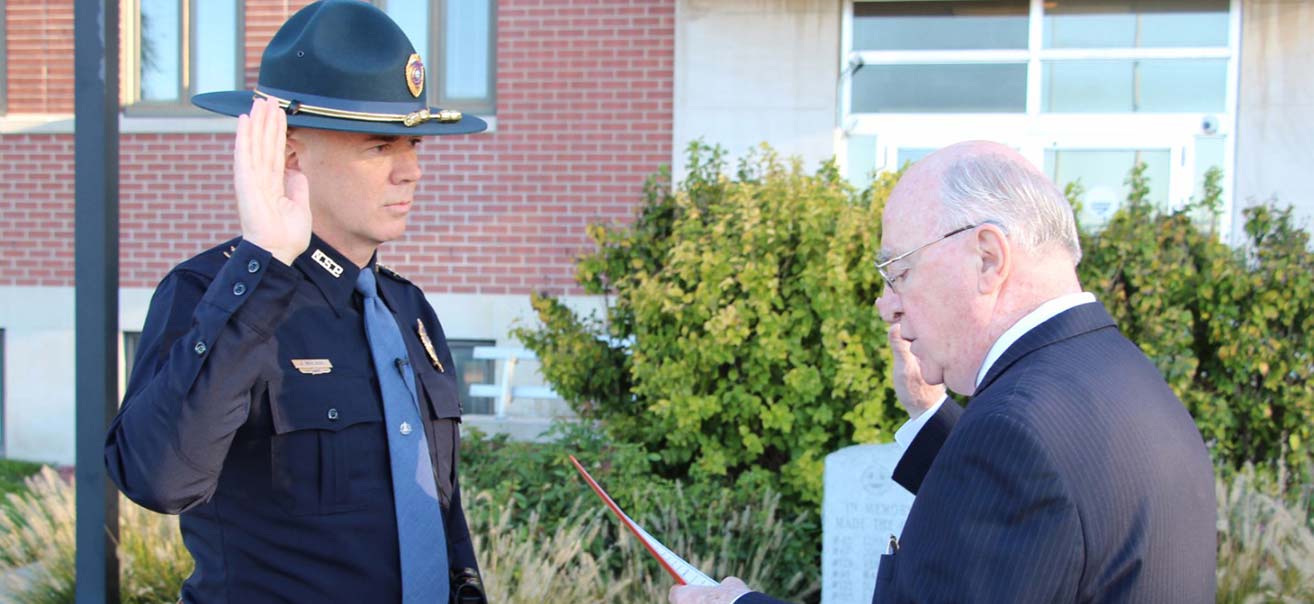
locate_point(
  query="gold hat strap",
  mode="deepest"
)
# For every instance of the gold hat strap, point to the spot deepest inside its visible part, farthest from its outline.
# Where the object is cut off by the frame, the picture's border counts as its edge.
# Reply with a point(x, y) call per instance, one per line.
point(407, 119)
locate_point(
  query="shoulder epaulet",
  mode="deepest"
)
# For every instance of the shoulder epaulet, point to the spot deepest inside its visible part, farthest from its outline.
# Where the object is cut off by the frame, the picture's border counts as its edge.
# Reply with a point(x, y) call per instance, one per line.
point(210, 261)
point(383, 270)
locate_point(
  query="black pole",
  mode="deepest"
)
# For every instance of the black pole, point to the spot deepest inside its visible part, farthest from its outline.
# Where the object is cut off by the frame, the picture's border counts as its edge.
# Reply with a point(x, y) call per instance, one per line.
point(96, 255)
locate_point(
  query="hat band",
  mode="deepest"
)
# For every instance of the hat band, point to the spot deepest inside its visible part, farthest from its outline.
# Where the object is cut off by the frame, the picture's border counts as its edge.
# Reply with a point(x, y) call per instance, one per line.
point(413, 118)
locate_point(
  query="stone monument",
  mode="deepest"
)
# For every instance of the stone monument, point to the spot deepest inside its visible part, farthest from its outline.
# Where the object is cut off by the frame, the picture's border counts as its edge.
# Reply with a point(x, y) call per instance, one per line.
point(862, 506)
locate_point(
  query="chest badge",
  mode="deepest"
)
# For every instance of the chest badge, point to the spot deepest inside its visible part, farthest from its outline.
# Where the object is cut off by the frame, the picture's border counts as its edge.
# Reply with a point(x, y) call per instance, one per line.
point(329, 265)
point(313, 366)
point(428, 345)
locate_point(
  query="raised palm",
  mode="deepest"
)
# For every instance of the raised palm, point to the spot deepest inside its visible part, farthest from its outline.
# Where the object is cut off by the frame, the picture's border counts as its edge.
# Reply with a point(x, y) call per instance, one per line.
point(273, 202)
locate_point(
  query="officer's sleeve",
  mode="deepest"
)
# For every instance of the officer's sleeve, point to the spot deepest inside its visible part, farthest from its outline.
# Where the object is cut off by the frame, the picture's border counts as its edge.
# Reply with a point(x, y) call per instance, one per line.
point(204, 346)
point(460, 550)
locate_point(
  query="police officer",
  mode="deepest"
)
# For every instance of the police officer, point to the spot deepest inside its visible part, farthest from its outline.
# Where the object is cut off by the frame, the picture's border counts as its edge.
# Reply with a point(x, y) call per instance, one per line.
point(292, 399)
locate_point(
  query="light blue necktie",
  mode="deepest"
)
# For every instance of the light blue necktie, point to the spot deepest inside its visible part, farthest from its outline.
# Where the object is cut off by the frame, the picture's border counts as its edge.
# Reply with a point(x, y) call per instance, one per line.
point(419, 517)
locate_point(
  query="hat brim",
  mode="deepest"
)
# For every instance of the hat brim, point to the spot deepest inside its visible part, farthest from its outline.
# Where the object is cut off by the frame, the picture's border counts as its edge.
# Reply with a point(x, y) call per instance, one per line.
point(238, 102)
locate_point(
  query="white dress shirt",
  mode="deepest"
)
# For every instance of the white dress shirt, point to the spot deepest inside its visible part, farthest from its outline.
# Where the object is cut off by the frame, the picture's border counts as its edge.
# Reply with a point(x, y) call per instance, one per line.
point(909, 430)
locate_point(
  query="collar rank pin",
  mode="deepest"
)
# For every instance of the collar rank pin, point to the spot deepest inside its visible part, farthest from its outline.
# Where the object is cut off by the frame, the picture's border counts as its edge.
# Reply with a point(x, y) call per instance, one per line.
point(428, 345)
point(329, 264)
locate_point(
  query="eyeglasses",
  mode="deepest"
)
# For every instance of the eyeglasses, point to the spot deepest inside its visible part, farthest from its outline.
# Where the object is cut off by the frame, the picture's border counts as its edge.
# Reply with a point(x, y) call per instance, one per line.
point(880, 267)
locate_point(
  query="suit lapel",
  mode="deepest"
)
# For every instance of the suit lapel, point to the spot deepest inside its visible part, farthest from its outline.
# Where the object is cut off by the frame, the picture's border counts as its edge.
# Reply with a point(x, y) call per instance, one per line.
point(1073, 322)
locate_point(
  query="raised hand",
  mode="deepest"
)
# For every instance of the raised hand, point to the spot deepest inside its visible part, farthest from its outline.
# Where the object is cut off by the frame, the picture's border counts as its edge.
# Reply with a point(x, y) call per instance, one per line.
point(911, 389)
point(273, 203)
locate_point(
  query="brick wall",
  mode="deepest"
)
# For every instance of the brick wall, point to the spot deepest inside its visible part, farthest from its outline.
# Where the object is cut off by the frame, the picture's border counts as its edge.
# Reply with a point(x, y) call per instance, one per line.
point(39, 49)
point(585, 98)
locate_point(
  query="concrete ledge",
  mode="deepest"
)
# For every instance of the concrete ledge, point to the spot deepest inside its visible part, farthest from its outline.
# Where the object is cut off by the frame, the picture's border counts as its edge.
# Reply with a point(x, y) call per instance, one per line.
point(519, 428)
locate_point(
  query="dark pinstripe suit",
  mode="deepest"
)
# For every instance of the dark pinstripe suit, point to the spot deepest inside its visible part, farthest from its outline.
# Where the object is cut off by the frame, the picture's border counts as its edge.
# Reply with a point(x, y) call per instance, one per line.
point(1075, 475)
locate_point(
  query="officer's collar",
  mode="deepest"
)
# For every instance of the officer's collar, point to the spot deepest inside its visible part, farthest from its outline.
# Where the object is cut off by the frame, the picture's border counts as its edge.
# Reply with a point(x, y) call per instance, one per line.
point(330, 271)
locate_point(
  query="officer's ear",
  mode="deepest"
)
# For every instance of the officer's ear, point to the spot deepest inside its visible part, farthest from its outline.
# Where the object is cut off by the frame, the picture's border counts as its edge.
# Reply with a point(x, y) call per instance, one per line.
point(291, 158)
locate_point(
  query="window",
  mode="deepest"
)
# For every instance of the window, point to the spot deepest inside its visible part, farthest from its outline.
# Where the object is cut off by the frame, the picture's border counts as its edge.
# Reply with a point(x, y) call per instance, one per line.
point(130, 341)
point(1132, 86)
point(1082, 88)
point(1103, 177)
point(470, 370)
point(179, 48)
point(940, 57)
point(947, 88)
point(456, 42)
point(1108, 56)
point(1158, 56)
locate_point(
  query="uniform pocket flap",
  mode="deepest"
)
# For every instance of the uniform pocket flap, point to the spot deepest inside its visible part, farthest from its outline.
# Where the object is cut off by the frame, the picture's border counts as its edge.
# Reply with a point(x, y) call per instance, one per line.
point(441, 390)
point(318, 402)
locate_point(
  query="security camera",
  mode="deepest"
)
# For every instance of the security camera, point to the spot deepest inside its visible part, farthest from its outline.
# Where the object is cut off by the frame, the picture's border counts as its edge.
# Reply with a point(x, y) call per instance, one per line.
point(1209, 125)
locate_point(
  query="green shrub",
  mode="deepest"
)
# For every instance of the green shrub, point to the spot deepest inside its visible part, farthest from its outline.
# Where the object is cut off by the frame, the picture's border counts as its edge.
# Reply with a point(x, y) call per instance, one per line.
point(12, 474)
point(740, 339)
point(742, 342)
point(1232, 329)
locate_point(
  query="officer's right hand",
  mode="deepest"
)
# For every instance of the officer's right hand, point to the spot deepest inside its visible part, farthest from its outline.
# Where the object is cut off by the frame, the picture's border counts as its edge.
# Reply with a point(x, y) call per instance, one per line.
point(272, 203)
point(909, 387)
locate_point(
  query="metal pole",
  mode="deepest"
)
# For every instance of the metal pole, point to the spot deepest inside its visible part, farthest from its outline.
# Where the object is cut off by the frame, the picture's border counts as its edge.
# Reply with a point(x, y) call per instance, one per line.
point(96, 211)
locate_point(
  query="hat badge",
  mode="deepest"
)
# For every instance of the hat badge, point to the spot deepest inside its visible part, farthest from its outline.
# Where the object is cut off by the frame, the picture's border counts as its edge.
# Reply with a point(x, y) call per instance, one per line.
point(415, 75)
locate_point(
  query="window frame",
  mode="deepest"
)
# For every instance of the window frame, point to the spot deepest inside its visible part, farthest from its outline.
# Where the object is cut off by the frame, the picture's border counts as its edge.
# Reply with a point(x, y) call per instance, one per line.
point(132, 63)
point(435, 56)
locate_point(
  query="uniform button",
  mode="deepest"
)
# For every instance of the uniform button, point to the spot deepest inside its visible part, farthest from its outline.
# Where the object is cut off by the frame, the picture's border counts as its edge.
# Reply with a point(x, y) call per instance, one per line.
point(200, 347)
point(239, 289)
point(333, 414)
point(405, 428)
point(253, 266)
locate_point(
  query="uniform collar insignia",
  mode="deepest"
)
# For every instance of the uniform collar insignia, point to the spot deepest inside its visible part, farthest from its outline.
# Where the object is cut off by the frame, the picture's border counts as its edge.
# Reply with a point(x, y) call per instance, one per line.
point(329, 264)
point(330, 272)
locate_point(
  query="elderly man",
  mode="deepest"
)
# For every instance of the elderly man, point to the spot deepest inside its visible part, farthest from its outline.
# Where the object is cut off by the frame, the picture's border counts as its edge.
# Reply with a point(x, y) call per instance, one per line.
point(1075, 475)
point(291, 398)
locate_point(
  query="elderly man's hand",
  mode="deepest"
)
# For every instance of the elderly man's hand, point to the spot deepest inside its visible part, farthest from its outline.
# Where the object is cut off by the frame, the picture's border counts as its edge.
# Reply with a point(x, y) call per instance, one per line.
point(912, 391)
point(725, 593)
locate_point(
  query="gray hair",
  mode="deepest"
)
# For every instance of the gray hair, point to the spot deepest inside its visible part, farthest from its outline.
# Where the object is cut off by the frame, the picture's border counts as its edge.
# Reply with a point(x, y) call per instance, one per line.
point(996, 188)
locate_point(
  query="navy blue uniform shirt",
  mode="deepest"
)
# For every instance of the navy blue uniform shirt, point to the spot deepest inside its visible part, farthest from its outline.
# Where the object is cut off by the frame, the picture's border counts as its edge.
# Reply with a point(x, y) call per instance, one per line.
point(279, 468)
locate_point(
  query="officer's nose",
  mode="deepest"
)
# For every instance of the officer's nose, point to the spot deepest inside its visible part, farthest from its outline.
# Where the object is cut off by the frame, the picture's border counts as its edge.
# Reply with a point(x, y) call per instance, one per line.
point(407, 169)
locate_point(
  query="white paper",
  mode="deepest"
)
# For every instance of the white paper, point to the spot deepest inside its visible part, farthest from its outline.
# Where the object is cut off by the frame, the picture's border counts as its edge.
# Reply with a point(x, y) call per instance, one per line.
point(691, 575)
